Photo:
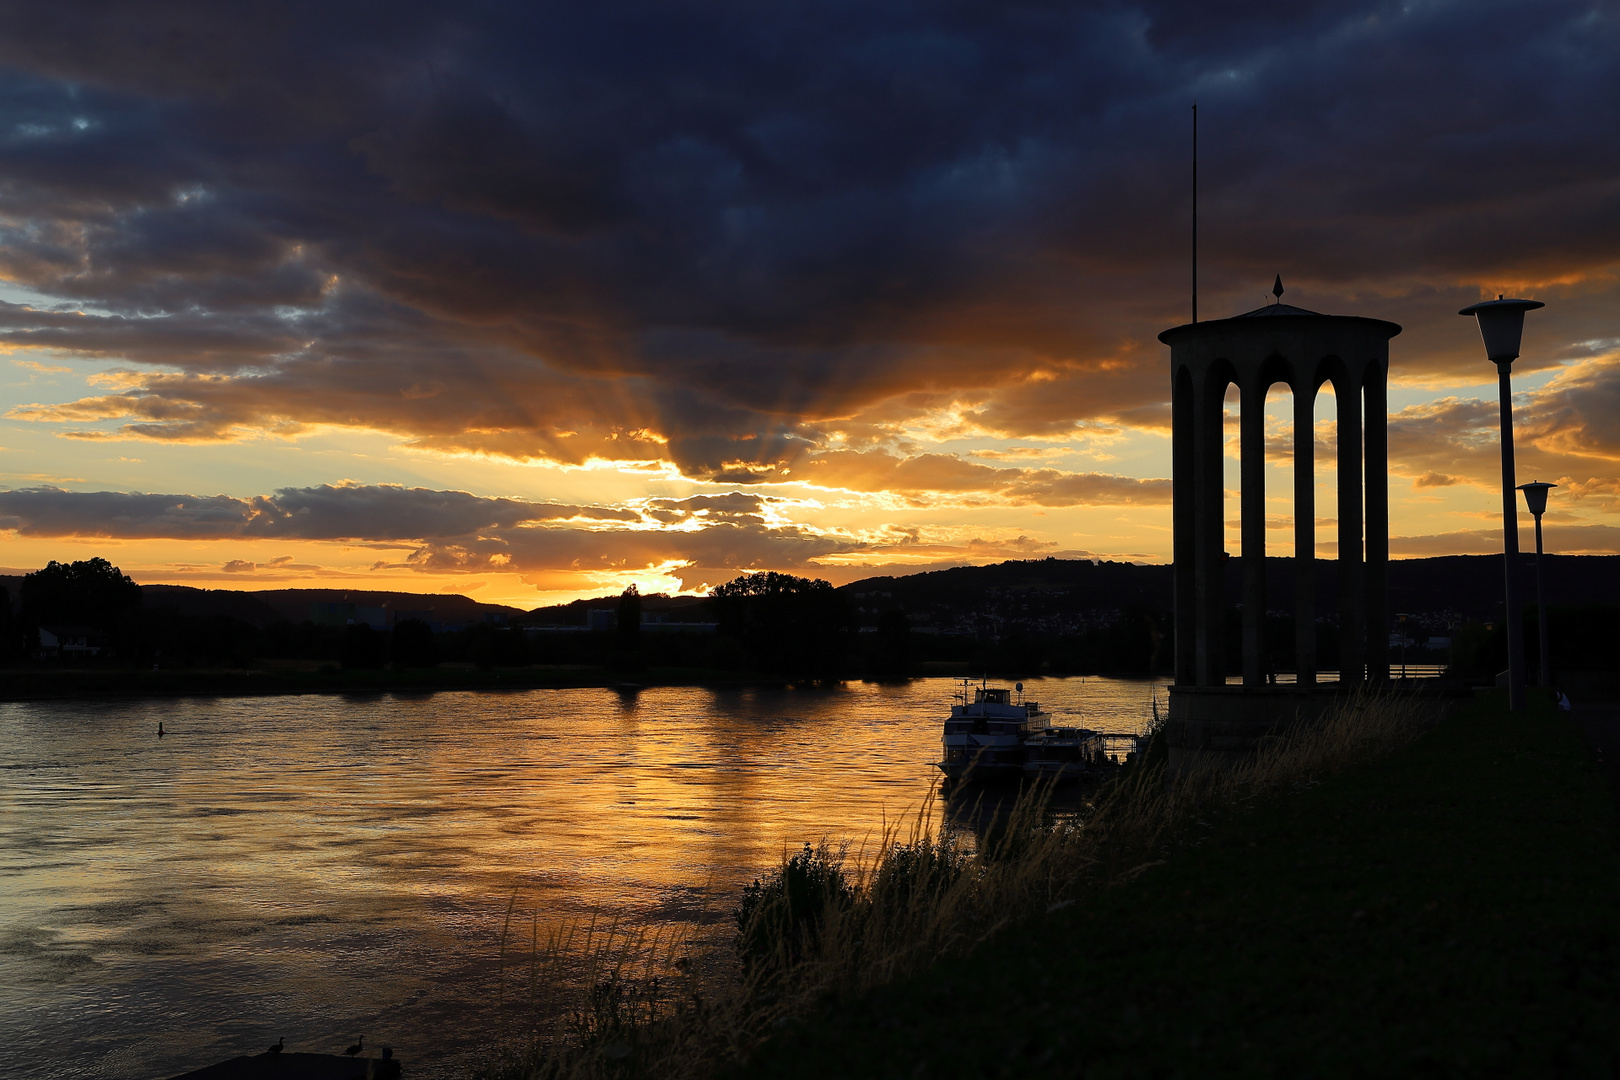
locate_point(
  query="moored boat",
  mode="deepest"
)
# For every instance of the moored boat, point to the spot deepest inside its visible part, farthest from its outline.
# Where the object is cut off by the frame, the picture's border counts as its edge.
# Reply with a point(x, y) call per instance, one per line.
point(997, 736)
point(984, 738)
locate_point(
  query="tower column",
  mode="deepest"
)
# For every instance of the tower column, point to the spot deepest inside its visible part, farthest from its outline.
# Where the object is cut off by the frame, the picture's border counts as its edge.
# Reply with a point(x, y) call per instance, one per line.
point(1352, 600)
point(1252, 446)
point(1377, 574)
point(1211, 540)
point(1184, 502)
point(1305, 529)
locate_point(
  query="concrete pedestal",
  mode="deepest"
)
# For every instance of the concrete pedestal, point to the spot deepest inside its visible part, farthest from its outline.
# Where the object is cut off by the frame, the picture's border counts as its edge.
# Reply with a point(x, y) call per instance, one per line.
point(1221, 725)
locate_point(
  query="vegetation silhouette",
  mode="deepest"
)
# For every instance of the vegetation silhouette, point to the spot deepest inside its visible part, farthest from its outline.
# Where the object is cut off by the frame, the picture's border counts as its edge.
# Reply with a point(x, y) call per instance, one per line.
point(787, 625)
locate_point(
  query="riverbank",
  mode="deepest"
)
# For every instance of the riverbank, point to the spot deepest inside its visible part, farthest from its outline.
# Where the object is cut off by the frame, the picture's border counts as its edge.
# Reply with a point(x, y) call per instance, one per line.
point(73, 681)
point(37, 684)
point(1451, 910)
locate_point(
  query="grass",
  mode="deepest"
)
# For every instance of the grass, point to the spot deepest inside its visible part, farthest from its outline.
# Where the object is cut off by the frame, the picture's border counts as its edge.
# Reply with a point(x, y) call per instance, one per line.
point(1451, 910)
point(1257, 919)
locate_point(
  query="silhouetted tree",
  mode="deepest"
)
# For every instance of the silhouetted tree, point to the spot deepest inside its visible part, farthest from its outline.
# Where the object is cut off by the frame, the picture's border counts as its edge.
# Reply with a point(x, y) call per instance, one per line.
point(894, 642)
point(92, 593)
point(490, 646)
point(787, 625)
point(364, 647)
point(11, 645)
point(89, 593)
point(628, 629)
point(412, 644)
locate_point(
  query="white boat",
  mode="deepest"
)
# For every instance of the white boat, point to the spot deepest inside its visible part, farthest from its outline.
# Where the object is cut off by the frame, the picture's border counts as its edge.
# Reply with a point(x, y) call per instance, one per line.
point(984, 738)
point(995, 737)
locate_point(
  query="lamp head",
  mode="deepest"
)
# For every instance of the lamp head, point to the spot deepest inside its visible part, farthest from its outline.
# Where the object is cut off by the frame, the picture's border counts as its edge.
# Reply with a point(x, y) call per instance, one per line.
point(1501, 324)
point(1535, 496)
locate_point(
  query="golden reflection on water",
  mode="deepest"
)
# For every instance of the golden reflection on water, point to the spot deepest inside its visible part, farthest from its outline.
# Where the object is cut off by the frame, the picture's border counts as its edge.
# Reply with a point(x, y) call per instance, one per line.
point(319, 867)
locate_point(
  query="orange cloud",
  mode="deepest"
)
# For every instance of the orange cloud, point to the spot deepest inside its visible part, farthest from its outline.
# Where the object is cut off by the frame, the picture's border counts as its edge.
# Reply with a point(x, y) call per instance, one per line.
point(880, 471)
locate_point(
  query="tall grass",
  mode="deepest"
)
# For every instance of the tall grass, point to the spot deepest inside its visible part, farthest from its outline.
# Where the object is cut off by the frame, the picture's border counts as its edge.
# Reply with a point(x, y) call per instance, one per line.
point(604, 1001)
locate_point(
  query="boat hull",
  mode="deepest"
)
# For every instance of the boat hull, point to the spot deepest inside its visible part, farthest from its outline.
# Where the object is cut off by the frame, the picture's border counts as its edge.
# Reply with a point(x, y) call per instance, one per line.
point(984, 772)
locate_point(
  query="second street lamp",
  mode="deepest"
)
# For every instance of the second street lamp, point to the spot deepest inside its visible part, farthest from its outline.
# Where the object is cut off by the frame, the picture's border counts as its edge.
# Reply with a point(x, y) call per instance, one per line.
point(1535, 499)
point(1501, 324)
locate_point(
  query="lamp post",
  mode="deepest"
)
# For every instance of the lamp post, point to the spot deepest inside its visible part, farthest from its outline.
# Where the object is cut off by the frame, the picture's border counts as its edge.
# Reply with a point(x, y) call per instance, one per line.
point(1535, 498)
point(1501, 324)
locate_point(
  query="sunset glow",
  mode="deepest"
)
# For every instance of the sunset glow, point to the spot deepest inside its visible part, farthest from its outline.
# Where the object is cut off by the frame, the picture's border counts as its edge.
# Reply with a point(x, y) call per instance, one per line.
point(539, 306)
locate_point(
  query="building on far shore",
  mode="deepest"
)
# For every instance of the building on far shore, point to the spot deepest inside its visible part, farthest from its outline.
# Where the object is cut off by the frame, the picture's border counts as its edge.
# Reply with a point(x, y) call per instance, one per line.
point(68, 643)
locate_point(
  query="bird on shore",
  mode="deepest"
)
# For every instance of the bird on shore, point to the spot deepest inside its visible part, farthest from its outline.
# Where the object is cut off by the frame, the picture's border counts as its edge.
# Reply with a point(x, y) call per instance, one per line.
point(160, 729)
point(354, 1050)
point(276, 1049)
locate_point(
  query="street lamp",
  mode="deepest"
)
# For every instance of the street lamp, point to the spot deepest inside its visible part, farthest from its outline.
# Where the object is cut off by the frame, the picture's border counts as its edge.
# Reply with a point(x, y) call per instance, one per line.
point(1501, 324)
point(1535, 497)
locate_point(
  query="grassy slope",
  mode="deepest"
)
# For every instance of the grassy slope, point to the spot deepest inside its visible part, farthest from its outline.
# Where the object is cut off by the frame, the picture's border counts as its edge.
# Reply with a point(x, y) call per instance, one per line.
point(1452, 910)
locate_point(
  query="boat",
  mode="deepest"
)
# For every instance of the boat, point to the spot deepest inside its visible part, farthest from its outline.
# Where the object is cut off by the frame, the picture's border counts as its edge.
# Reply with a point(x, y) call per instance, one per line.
point(1066, 753)
point(994, 737)
point(985, 737)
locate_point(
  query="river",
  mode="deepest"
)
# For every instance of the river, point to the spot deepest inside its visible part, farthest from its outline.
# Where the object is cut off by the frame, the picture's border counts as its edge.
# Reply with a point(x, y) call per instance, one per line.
point(324, 867)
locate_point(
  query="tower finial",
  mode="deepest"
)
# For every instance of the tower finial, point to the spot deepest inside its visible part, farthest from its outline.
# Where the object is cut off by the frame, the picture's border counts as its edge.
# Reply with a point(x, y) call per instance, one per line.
point(1277, 289)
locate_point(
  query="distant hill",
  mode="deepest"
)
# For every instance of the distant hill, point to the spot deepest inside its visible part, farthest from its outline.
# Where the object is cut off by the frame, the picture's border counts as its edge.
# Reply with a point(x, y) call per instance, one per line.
point(269, 605)
point(203, 603)
point(679, 609)
point(1056, 595)
point(1053, 594)
point(263, 607)
point(1471, 585)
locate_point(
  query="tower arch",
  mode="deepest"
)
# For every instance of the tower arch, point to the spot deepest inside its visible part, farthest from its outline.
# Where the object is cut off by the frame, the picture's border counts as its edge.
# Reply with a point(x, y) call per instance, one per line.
point(1256, 350)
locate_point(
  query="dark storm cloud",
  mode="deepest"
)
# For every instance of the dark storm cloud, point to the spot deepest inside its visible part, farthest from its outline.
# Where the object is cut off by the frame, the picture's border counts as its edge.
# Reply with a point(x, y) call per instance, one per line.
point(714, 232)
point(382, 512)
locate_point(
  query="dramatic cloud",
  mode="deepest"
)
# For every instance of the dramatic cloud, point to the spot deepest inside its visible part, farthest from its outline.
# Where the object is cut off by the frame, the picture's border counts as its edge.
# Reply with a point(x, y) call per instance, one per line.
point(717, 235)
point(1563, 539)
point(1569, 426)
point(701, 540)
point(876, 470)
point(888, 270)
point(343, 512)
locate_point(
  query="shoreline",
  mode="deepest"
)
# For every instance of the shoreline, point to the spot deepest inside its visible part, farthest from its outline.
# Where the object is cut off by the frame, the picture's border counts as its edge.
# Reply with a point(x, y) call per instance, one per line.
point(43, 684)
point(46, 685)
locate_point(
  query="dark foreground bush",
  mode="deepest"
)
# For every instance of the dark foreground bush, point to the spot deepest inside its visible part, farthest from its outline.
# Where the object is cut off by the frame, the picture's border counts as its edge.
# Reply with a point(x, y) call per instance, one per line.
point(780, 918)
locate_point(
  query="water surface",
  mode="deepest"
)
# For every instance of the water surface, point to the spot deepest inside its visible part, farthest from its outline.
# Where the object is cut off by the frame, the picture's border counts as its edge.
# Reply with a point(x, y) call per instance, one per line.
point(322, 867)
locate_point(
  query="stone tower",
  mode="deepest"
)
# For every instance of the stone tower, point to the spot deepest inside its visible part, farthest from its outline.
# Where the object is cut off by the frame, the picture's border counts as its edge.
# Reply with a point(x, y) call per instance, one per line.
point(1304, 350)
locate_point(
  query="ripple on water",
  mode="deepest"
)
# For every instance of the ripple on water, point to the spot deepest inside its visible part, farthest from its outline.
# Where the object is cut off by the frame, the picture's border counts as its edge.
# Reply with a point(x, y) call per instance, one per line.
point(319, 866)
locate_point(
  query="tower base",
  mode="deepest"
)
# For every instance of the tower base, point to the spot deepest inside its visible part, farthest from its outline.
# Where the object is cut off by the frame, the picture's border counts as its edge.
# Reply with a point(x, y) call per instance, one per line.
point(1218, 726)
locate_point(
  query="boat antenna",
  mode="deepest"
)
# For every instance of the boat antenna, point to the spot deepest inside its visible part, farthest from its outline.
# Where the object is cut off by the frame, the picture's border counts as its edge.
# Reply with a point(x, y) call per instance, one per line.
point(1195, 212)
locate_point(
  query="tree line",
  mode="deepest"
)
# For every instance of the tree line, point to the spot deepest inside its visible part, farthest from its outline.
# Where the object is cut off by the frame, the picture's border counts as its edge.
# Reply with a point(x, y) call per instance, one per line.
point(768, 623)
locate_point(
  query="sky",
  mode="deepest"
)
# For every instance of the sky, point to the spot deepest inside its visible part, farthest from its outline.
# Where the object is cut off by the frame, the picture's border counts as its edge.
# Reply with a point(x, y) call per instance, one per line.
point(531, 301)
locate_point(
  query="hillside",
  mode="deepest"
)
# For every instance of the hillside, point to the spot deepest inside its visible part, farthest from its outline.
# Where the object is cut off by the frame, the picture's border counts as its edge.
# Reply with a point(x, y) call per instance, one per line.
point(1047, 593)
point(293, 605)
point(262, 607)
point(1038, 595)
